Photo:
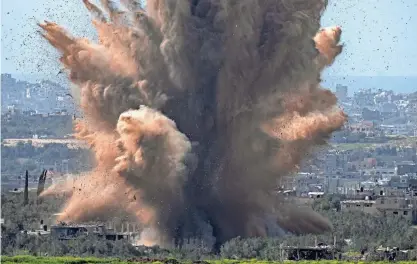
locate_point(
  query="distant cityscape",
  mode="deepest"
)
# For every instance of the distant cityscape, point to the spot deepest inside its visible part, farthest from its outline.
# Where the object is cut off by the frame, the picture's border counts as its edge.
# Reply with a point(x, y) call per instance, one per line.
point(371, 162)
point(44, 97)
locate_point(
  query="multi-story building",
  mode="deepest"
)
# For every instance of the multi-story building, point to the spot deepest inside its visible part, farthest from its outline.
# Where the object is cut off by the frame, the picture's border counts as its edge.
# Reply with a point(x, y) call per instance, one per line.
point(365, 127)
point(366, 206)
point(379, 172)
point(384, 201)
point(396, 130)
point(341, 92)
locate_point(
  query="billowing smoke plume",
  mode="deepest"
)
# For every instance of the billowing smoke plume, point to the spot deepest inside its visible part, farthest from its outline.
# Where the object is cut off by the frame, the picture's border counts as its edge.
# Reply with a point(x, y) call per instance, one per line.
point(195, 108)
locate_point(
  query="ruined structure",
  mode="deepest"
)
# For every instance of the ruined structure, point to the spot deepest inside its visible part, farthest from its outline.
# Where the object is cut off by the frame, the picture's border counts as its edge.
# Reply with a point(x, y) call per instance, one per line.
point(41, 185)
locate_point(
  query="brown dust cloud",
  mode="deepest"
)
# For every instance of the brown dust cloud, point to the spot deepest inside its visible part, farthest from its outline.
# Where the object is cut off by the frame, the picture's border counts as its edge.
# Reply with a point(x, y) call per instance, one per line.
point(194, 109)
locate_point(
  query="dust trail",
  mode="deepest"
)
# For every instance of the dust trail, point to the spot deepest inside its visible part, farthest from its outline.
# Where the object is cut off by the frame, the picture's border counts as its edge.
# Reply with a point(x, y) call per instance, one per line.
point(194, 109)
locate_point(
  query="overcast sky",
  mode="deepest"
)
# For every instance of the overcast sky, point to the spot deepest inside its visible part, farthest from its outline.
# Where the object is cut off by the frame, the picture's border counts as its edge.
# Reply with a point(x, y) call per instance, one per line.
point(380, 35)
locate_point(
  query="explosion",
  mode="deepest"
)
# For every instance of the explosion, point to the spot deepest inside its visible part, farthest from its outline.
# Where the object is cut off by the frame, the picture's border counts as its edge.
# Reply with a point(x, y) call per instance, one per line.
point(194, 109)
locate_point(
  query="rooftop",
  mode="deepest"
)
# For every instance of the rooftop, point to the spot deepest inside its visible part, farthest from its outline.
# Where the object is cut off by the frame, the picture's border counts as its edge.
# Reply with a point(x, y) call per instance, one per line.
point(358, 201)
point(75, 226)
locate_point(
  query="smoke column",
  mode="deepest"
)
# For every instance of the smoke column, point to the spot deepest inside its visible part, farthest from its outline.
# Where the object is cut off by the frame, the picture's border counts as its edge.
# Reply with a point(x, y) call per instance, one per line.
point(195, 108)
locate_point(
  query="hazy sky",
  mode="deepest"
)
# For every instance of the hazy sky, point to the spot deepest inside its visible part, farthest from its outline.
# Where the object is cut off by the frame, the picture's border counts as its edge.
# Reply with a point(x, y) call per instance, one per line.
point(380, 35)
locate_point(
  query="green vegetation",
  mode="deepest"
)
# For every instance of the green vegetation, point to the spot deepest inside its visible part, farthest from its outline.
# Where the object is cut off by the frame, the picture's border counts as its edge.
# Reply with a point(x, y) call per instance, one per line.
point(391, 140)
point(16, 159)
point(75, 260)
point(25, 126)
point(66, 260)
point(352, 146)
point(364, 232)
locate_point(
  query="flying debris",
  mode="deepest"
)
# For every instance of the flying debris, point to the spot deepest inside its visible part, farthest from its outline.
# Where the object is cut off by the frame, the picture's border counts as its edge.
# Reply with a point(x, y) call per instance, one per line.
point(194, 109)
point(60, 71)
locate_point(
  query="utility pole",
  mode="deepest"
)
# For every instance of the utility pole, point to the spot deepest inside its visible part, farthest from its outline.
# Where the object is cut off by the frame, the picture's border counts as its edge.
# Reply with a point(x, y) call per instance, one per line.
point(26, 191)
